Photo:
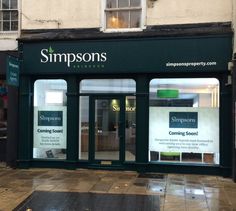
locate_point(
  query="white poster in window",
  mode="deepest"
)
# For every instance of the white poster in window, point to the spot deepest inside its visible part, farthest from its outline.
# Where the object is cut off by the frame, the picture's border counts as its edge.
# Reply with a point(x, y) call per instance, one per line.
point(178, 129)
point(50, 127)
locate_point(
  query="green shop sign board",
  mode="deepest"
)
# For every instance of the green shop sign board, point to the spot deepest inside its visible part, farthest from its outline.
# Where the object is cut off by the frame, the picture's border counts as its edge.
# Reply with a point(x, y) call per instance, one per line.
point(146, 55)
point(13, 67)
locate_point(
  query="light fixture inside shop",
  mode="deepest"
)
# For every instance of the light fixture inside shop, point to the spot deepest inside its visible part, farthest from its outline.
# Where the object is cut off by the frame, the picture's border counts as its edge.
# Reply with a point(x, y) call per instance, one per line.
point(168, 93)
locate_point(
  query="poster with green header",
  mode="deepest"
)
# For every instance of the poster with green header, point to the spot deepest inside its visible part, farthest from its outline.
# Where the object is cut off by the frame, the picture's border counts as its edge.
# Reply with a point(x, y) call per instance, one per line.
point(50, 127)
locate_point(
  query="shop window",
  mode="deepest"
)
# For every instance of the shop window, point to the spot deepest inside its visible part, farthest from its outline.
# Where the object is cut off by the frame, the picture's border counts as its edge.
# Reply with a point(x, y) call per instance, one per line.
point(90, 87)
point(184, 120)
point(8, 15)
point(84, 128)
point(130, 128)
point(50, 115)
point(124, 14)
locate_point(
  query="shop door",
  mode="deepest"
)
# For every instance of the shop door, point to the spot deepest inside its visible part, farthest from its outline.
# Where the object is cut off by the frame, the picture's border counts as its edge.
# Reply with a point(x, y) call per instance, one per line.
point(107, 124)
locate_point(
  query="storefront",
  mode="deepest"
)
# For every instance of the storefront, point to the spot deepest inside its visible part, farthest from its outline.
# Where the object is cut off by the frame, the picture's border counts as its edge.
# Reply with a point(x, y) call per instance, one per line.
point(143, 103)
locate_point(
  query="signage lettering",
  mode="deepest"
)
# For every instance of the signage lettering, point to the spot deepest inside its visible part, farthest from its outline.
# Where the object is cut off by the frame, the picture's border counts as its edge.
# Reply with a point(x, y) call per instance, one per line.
point(127, 108)
point(13, 67)
point(183, 120)
point(49, 118)
point(50, 127)
point(48, 55)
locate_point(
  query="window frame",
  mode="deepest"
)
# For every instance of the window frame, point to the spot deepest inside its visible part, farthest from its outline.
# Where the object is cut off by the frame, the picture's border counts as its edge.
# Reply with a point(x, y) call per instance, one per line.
point(35, 105)
point(10, 20)
point(103, 17)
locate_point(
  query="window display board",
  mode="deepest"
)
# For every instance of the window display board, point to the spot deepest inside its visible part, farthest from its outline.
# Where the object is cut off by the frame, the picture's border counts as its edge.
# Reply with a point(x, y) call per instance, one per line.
point(175, 129)
point(50, 127)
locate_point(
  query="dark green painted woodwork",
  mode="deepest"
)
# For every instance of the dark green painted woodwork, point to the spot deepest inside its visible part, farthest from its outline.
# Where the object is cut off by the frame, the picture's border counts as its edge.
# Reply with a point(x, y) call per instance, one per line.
point(25, 145)
point(91, 129)
point(142, 118)
point(234, 120)
point(72, 121)
point(226, 143)
point(146, 55)
point(122, 128)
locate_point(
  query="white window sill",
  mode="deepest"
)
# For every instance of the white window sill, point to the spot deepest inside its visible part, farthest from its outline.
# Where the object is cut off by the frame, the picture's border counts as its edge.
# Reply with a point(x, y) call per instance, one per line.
point(8, 32)
point(122, 30)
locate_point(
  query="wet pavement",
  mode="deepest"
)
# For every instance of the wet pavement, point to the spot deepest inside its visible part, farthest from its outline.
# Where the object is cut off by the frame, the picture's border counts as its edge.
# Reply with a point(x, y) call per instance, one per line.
point(172, 191)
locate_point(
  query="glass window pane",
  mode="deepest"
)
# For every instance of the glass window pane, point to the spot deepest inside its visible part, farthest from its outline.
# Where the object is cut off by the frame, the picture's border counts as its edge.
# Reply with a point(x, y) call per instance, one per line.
point(184, 120)
point(5, 4)
point(13, 4)
point(6, 26)
point(130, 128)
point(14, 25)
point(135, 3)
point(123, 19)
point(50, 115)
point(6, 15)
point(107, 145)
point(14, 15)
point(108, 86)
point(111, 4)
point(0, 25)
point(135, 17)
point(84, 128)
point(123, 3)
point(112, 20)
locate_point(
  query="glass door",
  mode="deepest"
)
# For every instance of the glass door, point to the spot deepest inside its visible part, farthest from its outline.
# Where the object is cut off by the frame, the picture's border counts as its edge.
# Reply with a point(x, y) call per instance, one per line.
point(108, 129)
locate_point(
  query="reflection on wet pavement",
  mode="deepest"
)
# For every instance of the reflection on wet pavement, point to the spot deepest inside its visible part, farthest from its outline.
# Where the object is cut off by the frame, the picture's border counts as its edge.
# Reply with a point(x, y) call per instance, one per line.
point(176, 191)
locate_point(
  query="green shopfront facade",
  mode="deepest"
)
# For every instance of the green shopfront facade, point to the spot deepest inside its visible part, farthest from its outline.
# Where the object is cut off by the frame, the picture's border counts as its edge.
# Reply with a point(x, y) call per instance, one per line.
point(145, 104)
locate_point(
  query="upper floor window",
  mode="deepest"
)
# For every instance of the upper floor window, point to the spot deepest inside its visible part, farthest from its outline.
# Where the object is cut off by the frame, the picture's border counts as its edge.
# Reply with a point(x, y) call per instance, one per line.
point(124, 14)
point(8, 15)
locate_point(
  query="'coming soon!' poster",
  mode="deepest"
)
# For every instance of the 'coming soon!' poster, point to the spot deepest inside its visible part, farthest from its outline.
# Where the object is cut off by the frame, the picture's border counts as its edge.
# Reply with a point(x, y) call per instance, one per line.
point(50, 127)
point(184, 130)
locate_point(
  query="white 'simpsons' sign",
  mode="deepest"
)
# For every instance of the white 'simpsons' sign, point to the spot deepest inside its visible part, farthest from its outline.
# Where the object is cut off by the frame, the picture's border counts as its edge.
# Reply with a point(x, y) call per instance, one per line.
point(50, 56)
point(176, 129)
point(50, 127)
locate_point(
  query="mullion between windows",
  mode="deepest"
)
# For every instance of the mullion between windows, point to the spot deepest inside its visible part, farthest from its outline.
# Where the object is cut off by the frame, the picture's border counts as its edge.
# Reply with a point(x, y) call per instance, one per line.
point(129, 19)
point(10, 21)
point(1, 16)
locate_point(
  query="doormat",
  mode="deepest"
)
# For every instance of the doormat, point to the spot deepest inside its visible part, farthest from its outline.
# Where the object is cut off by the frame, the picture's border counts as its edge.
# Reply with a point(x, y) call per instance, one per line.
point(73, 201)
point(151, 176)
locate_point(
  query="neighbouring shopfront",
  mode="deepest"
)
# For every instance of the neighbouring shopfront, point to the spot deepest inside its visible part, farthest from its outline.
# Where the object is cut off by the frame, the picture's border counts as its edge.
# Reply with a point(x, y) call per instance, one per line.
point(8, 111)
point(147, 104)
